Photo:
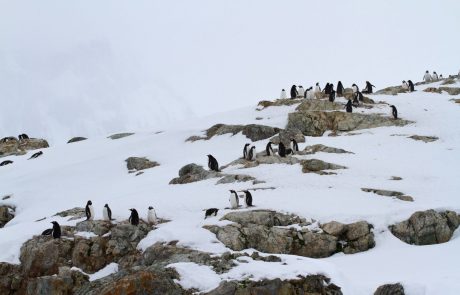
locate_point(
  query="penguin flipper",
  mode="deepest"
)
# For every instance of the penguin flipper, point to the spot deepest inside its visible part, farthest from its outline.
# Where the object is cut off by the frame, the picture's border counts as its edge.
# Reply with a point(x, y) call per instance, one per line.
point(47, 232)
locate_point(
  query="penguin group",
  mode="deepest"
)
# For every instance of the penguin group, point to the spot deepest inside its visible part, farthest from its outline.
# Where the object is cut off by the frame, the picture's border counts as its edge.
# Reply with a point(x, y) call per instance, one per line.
point(431, 77)
point(408, 86)
point(249, 153)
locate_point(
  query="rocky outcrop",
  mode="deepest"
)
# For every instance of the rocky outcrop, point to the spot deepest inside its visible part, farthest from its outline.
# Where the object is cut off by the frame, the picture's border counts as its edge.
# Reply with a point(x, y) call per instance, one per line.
point(319, 105)
point(120, 135)
point(424, 138)
point(252, 131)
point(276, 103)
point(262, 159)
point(6, 214)
point(393, 90)
point(76, 139)
point(387, 193)
point(315, 123)
point(10, 278)
point(449, 90)
point(285, 136)
point(260, 230)
point(20, 147)
point(455, 100)
point(319, 167)
point(313, 149)
point(235, 178)
point(390, 289)
point(427, 227)
point(309, 285)
point(137, 163)
point(74, 213)
point(66, 282)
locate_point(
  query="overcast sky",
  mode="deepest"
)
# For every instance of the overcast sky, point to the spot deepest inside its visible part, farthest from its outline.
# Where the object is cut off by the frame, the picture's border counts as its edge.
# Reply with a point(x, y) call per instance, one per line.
point(93, 67)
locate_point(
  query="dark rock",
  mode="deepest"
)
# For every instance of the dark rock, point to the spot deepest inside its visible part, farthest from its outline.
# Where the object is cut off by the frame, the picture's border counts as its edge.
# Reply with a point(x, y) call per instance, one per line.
point(393, 90)
point(424, 138)
point(6, 214)
point(20, 147)
point(387, 193)
point(120, 135)
point(77, 139)
point(319, 105)
point(66, 282)
point(235, 178)
point(279, 102)
point(192, 173)
point(313, 149)
point(318, 166)
point(99, 227)
point(75, 213)
point(390, 289)
point(10, 278)
point(90, 254)
point(252, 131)
point(137, 163)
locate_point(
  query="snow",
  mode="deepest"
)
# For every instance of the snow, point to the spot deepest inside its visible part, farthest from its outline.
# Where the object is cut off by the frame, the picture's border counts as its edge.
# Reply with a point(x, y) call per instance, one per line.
point(66, 176)
point(109, 269)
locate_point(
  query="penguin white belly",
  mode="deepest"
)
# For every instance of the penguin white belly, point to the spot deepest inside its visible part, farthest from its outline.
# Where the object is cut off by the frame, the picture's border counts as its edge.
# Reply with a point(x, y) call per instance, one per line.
point(283, 95)
point(105, 214)
point(310, 94)
point(233, 202)
point(152, 217)
point(91, 212)
point(253, 158)
point(405, 86)
point(301, 92)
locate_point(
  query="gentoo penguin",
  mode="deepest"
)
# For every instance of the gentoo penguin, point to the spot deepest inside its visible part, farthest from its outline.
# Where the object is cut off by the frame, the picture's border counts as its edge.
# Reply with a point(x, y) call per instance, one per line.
point(294, 146)
point(6, 162)
point(89, 211)
point(300, 91)
point(23, 136)
point(36, 155)
point(394, 111)
point(411, 85)
point(281, 150)
point(210, 212)
point(234, 200)
point(106, 212)
point(358, 96)
point(212, 163)
point(245, 150)
point(248, 198)
point(327, 88)
point(434, 77)
point(349, 106)
point(355, 88)
point(340, 89)
point(309, 93)
point(317, 88)
point(134, 217)
point(55, 231)
point(441, 77)
point(332, 95)
point(252, 154)
point(405, 86)
point(368, 88)
point(269, 149)
point(427, 77)
point(293, 92)
point(283, 94)
point(152, 216)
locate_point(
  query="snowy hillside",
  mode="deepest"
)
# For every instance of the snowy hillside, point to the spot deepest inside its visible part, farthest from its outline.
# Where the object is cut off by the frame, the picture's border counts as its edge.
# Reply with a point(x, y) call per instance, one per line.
point(67, 175)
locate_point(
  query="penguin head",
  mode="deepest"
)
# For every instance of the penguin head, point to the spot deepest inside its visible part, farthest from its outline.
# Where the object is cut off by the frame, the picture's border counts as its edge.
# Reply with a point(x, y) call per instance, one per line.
point(426, 72)
point(283, 90)
point(248, 144)
point(232, 191)
point(317, 83)
point(150, 207)
point(89, 203)
point(106, 205)
point(253, 147)
point(54, 223)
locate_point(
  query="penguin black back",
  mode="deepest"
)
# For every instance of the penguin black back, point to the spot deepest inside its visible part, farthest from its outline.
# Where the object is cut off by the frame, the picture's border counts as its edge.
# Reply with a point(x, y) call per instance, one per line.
point(109, 212)
point(210, 212)
point(332, 95)
point(394, 112)
point(411, 85)
point(6, 162)
point(134, 217)
point(248, 198)
point(88, 210)
point(56, 230)
point(212, 163)
point(340, 89)
point(293, 91)
point(268, 149)
point(349, 107)
point(281, 150)
point(245, 151)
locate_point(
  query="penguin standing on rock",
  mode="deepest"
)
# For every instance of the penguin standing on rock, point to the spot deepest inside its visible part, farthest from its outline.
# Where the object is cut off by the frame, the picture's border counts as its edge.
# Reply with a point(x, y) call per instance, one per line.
point(234, 200)
point(134, 217)
point(309, 93)
point(248, 199)
point(327, 88)
point(55, 231)
point(212, 163)
point(340, 89)
point(107, 213)
point(332, 95)
point(294, 146)
point(405, 86)
point(301, 91)
point(245, 151)
point(252, 154)
point(281, 150)
point(427, 77)
point(317, 88)
point(152, 216)
point(349, 107)
point(89, 211)
point(269, 149)
point(23, 136)
point(368, 88)
point(394, 112)
point(283, 94)
point(434, 77)
point(293, 92)
point(355, 88)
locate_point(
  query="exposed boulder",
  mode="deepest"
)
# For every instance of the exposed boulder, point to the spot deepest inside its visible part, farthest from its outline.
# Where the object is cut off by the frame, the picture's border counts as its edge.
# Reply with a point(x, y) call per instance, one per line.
point(319, 105)
point(265, 217)
point(192, 173)
point(285, 136)
point(66, 282)
point(393, 90)
point(235, 178)
point(76, 139)
point(309, 285)
point(74, 213)
point(390, 289)
point(20, 147)
point(6, 214)
point(427, 227)
point(278, 102)
point(98, 227)
point(10, 278)
point(120, 135)
point(313, 149)
point(252, 131)
point(433, 90)
point(124, 239)
point(137, 163)
point(318, 166)
point(261, 158)
point(448, 81)
point(424, 138)
point(456, 100)
point(388, 193)
point(315, 123)
point(451, 90)
point(90, 254)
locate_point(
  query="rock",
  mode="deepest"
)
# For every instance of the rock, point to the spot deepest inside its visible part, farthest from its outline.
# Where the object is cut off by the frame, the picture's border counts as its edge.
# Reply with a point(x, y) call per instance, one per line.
point(136, 163)
point(43, 255)
point(448, 81)
point(192, 173)
point(120, 135)
point(319, 105)
point(99, 227)
point(432, 89)
point(393, 90)
point(66, 282)
point(387, 193)
point(124, 239)
point(427, 227)
point(252, 131)
point(279, 102)
point(286, 135)
point(90, 254)
point(424, 138)
point(235, 178)
point(318, 166)
point(264, 217)
point(262, 159)
point(75, 213)
point(359, 237)
point(396, 178)
point(20, 147)
point(315, 123)
point(309, 285)
point(6, 214)
point(333, 228)
point(313, 149)
point(451, 90)
point(10, 278)
point(456, 100)
point(390, 289)
point(162, 255)
point(76, 139)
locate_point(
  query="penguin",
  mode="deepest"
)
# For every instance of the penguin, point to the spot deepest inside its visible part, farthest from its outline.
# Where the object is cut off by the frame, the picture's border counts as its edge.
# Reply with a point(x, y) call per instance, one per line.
point(152, 216)
point(301, 91)
point(106, 212)
point(355, 88)
point(427, 77)
point(394, 112)
point(358, 96)
point(89, 211)
point(283, 94)
point(340, 89)
point(349, 106)
point(411, 85)
point(55, 231)
point(441, 77)
point(234, 200)
point(293, 92)
point(405, 86)
point(281, 150)
point(294, 146)
point(245, 151)
point(327, 88)
point(317, 88)
point(368, 88)
point(134, 217)
point(309, 93)
point(269, 149)
point(212, 163)
point(36, 155)
point(23, 136)
point(9, 138)
point(6, 162)
point(434, 77)
point(252, 154)
point(332, 95)
point(248, 198)
point(210, 212)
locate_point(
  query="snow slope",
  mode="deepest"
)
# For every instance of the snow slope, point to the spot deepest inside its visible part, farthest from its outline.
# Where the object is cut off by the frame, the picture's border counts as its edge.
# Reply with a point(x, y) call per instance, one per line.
point(68, 175)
